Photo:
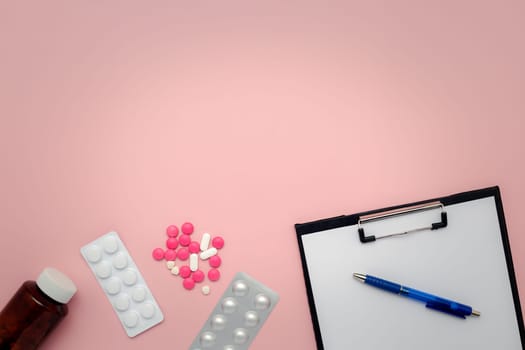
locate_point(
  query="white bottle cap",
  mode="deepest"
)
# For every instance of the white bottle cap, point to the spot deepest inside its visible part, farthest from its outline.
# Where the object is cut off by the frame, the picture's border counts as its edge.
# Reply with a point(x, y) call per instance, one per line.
point(56, 285)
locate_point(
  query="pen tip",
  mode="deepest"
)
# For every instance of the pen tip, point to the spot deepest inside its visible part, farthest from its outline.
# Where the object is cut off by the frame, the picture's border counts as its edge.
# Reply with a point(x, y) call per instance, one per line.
point(360, 276)
point(476, 313)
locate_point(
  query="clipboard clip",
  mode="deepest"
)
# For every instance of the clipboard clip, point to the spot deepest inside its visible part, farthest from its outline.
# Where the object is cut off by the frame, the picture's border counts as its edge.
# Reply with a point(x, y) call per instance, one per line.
point(401, 211)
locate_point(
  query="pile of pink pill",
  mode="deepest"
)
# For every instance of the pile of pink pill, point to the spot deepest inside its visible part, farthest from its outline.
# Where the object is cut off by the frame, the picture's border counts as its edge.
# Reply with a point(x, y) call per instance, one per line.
point(182, 248)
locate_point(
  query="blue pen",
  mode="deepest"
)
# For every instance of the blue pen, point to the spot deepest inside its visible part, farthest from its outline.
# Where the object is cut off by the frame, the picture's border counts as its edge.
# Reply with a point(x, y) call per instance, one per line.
point(433, 302)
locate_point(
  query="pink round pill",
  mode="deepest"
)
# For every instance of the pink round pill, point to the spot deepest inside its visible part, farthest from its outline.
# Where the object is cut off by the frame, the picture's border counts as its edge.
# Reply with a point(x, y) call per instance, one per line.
point(172, 231)
point(188, 283)
point(183, 254)
point(217, 242)
point(158, 253)
point(172, 243)
point(214, 274)
point(187, 228)
point(170, 254)
point(184, 240)
point(185, 271)
point(215, 261)
point(194, 247)
point(198, 276)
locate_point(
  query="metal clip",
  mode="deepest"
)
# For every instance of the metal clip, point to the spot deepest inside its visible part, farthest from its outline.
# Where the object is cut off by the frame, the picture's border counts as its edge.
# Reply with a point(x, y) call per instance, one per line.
point(401, 211)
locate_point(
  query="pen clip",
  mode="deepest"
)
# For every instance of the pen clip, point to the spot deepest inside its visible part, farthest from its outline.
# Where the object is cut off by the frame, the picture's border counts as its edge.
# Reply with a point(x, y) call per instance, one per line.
point(445, 307)
point(401, 211)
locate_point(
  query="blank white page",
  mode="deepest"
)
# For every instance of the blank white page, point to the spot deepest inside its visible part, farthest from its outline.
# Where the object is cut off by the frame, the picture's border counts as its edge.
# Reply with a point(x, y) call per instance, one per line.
point(464, 262)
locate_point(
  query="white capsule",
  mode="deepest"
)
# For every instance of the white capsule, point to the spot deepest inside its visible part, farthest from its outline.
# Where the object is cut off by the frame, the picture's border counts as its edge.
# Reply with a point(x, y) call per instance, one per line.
point(208, 253)
point(205, 241)
point(194, 262)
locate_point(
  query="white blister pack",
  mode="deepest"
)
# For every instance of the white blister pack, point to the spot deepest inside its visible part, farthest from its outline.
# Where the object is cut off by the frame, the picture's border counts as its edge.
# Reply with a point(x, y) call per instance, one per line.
point(122, 283)
point(238, 316)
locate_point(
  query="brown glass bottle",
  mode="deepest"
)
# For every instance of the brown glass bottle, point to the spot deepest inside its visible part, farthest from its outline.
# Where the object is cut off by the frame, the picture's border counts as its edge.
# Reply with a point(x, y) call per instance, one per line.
point(35, 310)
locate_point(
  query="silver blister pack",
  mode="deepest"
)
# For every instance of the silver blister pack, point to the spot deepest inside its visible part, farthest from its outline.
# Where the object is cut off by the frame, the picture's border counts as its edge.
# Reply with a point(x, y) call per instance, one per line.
point(123, 284)
point(238, 316)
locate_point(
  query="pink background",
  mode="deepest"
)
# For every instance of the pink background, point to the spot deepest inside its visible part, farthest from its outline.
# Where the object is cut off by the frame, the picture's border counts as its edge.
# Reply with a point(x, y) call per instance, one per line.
point(244, 118)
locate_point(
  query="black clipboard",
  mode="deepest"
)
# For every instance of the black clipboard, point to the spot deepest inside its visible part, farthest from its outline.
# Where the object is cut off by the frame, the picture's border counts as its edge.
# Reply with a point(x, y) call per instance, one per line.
point(344, 313)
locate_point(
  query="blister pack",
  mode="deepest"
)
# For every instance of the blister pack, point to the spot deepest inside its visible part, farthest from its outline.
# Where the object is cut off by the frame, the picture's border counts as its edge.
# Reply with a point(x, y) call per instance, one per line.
point(238, 316)
point(123, 284)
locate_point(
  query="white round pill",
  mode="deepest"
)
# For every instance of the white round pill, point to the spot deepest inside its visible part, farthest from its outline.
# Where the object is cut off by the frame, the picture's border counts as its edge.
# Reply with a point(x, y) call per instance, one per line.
point(240, 288)
point(103, 270)
point(94, 253)
point(131, 319)
point(229, 305)
point(207, 339)
point(113, 285)
point(218, 322)
point(262, 302)
point(120, 261)
point(251, 319)
point(175, 270)
point(206, 290)
point(139, 294)
point(110, 244)
point(130, 277)
point(147, 310)
point(122, 302)
point(240, 336)
point(170, 264)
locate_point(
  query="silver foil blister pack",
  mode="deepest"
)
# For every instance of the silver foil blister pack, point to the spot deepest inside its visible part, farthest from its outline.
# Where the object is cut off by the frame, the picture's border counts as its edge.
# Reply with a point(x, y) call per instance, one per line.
point(238, 316)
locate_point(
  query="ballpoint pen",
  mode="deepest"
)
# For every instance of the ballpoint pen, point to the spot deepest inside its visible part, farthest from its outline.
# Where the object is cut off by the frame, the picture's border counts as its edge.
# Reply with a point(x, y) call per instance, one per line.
point(432, 301)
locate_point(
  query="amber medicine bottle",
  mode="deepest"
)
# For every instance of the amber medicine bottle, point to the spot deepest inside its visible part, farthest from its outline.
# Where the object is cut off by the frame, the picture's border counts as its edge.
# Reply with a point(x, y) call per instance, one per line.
point(35, 310)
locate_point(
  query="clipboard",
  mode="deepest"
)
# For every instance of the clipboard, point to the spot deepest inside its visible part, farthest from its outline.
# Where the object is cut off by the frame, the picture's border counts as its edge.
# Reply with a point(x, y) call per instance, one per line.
point(455, 246)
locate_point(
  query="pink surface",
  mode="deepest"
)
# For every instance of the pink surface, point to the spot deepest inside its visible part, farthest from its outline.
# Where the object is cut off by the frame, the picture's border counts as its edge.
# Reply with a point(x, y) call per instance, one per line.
point(244, 119)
